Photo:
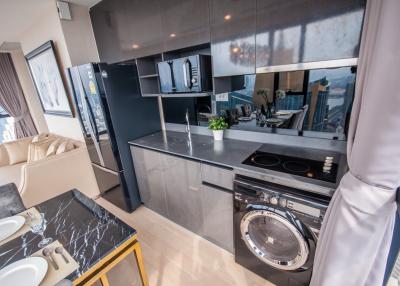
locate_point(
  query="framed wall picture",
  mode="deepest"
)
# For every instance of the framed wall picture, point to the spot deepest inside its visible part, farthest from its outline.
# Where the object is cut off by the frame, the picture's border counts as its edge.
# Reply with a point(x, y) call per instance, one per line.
point(45, 72)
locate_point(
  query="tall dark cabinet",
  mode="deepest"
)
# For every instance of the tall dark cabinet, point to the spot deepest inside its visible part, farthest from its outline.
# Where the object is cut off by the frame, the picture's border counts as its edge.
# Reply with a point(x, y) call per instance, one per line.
point(290, 32)
point(184, 23)
point(233, 27)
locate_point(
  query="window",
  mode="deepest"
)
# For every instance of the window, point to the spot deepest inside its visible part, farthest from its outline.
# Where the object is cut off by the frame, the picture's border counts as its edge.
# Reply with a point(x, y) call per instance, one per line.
point(6, 126)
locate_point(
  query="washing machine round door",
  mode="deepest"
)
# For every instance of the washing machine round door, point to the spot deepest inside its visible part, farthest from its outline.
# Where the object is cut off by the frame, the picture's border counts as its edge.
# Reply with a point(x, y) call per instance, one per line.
point(274, 240)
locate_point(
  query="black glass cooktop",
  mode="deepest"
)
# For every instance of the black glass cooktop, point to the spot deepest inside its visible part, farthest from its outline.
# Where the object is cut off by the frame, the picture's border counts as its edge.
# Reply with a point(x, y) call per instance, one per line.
point(319, 170)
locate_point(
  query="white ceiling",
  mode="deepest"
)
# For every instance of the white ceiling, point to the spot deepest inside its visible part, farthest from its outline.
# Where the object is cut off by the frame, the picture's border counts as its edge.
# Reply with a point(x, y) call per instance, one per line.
point(17, 15)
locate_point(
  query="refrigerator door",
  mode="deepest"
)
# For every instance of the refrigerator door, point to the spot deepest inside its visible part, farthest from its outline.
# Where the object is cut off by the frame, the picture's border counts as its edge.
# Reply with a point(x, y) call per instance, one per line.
point(96, 110)
point(107, 179)
point(87, 122)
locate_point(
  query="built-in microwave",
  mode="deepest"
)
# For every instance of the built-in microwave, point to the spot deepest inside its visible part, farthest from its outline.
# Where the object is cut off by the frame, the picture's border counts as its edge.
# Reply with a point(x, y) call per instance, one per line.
point(190, 74)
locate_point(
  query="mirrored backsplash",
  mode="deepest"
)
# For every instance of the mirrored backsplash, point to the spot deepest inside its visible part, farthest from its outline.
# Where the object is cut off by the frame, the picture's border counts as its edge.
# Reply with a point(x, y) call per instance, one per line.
point(313, 103)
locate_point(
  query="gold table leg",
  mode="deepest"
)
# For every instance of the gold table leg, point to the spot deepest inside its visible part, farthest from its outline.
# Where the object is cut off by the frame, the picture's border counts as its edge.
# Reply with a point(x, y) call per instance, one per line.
point(104, 280)
point(99, 271)
point(140, 264)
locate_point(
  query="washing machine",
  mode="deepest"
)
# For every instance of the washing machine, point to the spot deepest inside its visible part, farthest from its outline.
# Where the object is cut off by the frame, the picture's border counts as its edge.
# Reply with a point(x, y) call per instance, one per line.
point(276, 230)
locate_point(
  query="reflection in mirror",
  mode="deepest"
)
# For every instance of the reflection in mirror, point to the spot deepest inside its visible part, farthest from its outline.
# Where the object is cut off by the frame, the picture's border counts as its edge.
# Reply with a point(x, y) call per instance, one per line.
point(314, 103)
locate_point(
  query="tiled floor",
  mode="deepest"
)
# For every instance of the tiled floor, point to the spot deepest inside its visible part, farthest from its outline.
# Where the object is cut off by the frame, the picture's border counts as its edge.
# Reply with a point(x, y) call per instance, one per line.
point(174, 256)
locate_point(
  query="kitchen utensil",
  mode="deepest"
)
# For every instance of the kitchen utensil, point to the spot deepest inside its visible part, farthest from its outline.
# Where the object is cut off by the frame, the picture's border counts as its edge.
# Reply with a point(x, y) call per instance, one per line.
point(60, 250)
point(47, 253)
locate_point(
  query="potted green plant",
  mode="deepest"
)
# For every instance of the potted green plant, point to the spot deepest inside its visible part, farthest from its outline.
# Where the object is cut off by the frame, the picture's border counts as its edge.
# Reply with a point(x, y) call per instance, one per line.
point(218, 125)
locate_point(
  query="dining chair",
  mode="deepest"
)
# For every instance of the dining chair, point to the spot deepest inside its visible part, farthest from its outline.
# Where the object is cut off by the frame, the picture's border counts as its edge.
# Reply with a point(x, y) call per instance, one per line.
point(10, 201)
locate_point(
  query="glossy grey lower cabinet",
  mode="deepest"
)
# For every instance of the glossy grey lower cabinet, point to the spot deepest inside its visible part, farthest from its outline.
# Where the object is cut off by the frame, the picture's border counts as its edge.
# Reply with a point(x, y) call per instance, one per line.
point(174, 188)
point(150, 178)
point(218, 216)
point(183, 189)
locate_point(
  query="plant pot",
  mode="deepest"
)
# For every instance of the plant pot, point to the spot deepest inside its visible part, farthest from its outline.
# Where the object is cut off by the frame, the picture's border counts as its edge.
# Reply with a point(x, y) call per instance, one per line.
point(218, 135)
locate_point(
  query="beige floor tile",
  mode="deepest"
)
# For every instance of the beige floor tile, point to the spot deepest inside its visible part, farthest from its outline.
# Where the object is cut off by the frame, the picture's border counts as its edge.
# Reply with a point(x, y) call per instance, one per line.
point(174, 256)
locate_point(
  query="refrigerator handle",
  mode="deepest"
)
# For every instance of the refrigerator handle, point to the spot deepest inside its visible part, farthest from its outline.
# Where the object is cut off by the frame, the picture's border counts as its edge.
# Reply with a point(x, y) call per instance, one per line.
point(86, 106)
point(93, 121)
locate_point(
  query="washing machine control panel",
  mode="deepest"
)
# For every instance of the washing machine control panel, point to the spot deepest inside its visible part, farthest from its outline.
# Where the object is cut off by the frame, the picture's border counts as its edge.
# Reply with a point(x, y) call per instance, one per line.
point(289, 202)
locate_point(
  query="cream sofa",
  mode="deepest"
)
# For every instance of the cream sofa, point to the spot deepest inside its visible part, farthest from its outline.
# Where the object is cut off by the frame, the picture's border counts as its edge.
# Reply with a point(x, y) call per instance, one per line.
point(48, 177)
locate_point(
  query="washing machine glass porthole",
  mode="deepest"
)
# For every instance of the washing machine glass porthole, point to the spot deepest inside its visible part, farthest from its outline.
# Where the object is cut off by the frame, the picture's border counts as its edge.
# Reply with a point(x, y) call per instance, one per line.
point(274, 240)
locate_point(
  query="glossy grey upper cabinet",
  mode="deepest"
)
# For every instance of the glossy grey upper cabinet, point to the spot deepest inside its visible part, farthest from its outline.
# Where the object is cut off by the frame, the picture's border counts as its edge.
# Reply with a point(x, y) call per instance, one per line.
point(127, 29)
point(290, 32)
point(233, 26)
point(184, 23)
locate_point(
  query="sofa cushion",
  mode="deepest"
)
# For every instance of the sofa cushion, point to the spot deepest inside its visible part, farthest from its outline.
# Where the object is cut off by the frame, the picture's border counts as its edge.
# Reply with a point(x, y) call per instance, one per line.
point(4, 160)
point(11, 174)
point(18, 150)
point(38, 150)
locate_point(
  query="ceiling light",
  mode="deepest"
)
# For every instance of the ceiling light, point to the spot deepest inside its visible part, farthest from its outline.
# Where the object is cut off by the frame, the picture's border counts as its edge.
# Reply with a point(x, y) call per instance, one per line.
point(227, 17)
point(135, 46)
point(173, 35)
point(235, 50)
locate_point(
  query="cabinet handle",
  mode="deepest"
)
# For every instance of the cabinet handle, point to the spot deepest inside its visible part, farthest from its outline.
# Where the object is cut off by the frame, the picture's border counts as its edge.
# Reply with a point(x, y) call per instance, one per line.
point(194, 189)
point(217, 187)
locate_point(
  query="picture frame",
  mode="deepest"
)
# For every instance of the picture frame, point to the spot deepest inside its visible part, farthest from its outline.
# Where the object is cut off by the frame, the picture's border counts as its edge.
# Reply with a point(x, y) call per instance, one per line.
point(45, 71)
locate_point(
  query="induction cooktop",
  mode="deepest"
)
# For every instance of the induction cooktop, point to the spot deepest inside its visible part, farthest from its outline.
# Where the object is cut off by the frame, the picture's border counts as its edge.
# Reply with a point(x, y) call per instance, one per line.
point(320, 170)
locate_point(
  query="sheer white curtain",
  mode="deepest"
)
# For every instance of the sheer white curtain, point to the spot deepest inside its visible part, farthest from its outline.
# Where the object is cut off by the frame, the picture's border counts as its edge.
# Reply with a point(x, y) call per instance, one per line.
point(357, 231)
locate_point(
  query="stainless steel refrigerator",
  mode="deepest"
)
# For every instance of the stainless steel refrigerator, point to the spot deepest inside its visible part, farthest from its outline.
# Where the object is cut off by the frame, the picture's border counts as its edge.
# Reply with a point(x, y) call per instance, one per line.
point(112, 112)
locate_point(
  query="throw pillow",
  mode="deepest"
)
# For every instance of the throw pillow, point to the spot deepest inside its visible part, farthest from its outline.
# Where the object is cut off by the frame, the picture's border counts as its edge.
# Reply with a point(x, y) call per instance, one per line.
point(38, 150)
point(18, 150)
point(4, 161)
point(53, 147)
point(65, 146)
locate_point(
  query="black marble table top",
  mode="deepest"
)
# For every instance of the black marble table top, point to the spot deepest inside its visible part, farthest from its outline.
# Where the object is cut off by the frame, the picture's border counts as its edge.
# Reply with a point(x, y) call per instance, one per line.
point(85, 229)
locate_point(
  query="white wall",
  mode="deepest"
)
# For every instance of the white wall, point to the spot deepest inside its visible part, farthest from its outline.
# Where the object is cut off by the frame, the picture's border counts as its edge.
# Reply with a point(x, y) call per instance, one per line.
point(79, 36)
point(74, 43)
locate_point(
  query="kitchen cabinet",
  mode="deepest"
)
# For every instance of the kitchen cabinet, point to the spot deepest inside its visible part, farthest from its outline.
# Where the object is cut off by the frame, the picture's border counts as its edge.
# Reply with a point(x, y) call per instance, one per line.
point(188, 193)
point(183, 190)
point(217, 205)
point(150, 178)
point(290, 32)
point(184, 23)
point(233, 27)
point(127, 29)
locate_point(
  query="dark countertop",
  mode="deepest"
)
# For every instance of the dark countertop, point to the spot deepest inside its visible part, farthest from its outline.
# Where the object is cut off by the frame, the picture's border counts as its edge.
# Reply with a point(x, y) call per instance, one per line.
point(85, 229)
point(231, 153)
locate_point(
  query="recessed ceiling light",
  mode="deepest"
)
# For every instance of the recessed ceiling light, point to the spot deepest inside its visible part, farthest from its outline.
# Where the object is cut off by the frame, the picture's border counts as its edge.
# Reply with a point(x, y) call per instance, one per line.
point(135, 46)
point(173, 35)
point(227, 17)
point(235, 49)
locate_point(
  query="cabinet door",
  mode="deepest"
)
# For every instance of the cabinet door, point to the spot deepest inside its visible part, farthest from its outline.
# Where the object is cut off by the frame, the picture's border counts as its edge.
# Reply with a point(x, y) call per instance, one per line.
point(217, 207)
point(290, 32)
point(127, 29)
point(183, 188)
point(233, 27)
point(149, 175)
point(185, 23)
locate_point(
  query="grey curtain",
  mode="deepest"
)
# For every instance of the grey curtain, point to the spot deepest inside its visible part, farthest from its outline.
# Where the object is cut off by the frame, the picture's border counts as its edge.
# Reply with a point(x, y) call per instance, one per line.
point(358, 227)
point(12, 98)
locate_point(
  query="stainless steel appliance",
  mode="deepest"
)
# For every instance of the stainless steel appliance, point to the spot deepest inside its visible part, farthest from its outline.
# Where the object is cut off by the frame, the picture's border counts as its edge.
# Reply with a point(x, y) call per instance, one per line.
point(190, 74)
point(276, 230)
point(112, 112)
